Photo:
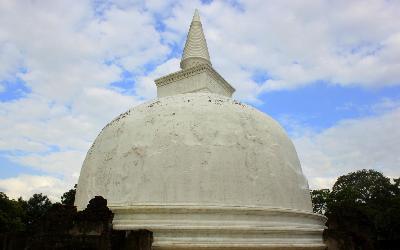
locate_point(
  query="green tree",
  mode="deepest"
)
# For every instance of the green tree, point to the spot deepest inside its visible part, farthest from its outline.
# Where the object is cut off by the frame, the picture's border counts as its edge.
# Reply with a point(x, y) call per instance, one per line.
point(362, 187)
point(35, 208)
point(68, 198)
point(320, 199)
point(397, 186)
point(11, 215)
point(365, 206)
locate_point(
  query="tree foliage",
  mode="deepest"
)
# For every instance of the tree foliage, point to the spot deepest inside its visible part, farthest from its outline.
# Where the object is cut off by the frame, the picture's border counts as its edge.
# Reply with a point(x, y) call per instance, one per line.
point(11, 215)
point(68, 198)
point(320, 200)
point(363, 209)
point(363, 187)
point(35, 208)
point(21, 215)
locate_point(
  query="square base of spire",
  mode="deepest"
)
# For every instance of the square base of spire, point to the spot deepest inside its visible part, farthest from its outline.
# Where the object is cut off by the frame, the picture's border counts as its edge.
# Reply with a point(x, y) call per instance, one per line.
point(201, 78)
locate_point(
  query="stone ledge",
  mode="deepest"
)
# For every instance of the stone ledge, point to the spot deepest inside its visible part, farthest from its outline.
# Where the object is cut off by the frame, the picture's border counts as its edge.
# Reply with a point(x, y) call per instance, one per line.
point(243, 247)
point(224, 227)
point(186, 73)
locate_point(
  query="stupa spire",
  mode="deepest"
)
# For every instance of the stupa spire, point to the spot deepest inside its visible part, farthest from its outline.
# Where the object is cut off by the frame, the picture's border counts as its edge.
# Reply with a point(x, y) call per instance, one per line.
point(197, 74)
point(195, 51)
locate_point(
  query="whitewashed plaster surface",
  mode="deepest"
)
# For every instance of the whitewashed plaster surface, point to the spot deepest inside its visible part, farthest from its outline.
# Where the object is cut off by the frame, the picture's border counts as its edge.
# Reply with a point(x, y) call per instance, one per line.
point(194, 149)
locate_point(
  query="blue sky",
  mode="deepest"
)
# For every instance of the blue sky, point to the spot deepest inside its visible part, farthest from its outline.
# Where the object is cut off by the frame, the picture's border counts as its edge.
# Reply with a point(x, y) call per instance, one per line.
point(329, 72)
point(321, 106)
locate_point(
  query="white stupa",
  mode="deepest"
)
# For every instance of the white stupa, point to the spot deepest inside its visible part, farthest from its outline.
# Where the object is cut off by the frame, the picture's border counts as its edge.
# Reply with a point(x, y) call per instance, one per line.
point(201, 170)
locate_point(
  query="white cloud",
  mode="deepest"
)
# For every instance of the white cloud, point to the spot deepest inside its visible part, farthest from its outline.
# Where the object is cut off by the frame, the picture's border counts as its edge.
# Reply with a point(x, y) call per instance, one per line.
point(64, 47)
point(100, 104)
point(33, 124)
point(26, 185)
point(67, 163)
point(10, 61)
point(369, 142)
point(159, 7)
point(71, 56)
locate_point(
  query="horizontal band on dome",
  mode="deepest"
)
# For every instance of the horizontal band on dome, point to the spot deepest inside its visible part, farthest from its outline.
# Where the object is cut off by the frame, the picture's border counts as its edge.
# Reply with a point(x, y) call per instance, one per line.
point(239, 219)
point(193, 71)
point(254, 246)
point(216, 227)
point(211, 208)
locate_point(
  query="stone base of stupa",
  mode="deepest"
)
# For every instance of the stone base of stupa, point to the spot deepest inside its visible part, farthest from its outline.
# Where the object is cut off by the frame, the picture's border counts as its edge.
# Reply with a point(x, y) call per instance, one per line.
point(215, 227)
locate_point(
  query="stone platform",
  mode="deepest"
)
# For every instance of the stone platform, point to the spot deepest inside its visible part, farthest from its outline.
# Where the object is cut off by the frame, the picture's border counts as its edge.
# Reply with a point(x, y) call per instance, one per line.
point(215, 227)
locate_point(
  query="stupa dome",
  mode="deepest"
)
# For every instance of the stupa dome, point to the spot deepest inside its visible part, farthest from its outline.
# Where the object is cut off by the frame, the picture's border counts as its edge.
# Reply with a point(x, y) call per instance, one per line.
point(194, 149)
point(201, 170)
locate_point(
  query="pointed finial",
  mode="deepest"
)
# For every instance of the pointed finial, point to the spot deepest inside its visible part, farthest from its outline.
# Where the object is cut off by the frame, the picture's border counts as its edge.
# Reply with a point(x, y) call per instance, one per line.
point(196, 16)
point(195, 51)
